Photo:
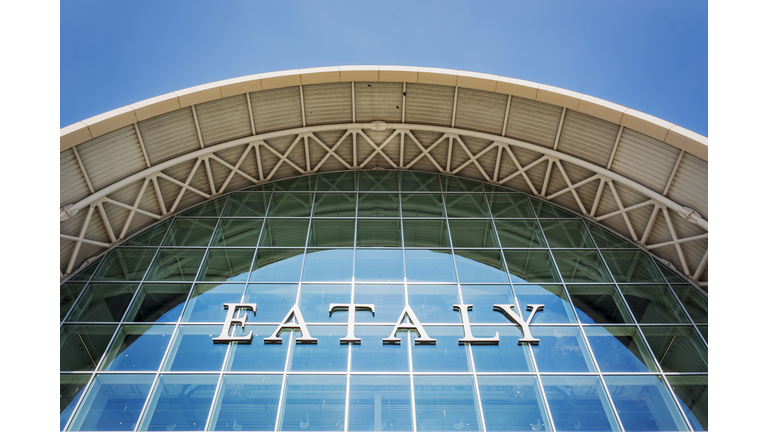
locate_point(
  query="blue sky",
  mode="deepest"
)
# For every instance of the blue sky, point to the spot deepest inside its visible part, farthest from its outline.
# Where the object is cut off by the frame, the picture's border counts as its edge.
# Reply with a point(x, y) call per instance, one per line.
point(647, 55)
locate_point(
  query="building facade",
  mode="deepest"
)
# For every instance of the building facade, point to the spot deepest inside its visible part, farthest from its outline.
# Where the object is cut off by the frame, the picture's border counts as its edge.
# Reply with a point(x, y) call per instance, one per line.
point(374, 248)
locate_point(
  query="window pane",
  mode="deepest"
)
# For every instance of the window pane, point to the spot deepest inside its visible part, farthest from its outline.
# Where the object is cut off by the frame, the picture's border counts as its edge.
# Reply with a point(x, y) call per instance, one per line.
point(103, 302)
point(70, 389)
point(266, 187)
point(206, 303)
point(445, 355)
point(631, 266)
point(332, 233)
point(434, 303)
point(607, 239)
point(425, 233)
point(291, 205)
point(247, 402)
point(568, 233)
point(378, 265)
point(371, 355)
point(326, 355)
point(190, 232)
point(422, 205)
point(644, 403)
point(176, 265)
point(473, 234)
point(258, 356)
point(694, 301)
point(429, 266)
point(598, 304)
point(328, 265)
point(335, 205)
point(419, 182)
point(620, 349)
point(561, 349)
point(512, 403)
point(180, 401)
point(530, 265)
point(315, 302)
point(138, 348)
point(226, 265)
point(113, 403)
point(314, 402)
point(466, 206)
point(341, 181)
point(389, 301)
point(284, 233)
point(693, 394)
point(273, 300)
point(581, 266)
point(247, 204)
point(445, 403)
point(125, 264)
point(305, 183)
point(151, 237)
point(547, 210)
point(520, 234)
point(677, 348)
point(480, 266)
point(158, 303)
point(81, 346)
point(380, 403)
point(193, 349)
point(483, 297)
point(378, 205)
point(653, 304)
point(208, 209)
point(508, 356)
point(579, 403)
point(378, 181)
point(378, 233)
point(277, 265)
point(510, 205)
point(557, 309)
point(455, 184)
point(238, 232)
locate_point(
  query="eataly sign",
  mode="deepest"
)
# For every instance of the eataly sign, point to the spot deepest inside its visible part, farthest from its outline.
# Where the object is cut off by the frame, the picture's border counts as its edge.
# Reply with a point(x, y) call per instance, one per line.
point(295, 321)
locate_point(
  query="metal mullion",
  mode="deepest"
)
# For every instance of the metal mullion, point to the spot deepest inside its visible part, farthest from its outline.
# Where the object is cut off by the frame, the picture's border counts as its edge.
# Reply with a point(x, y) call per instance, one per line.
point(216, 394)
point(410, 374)
point(143, 412)
point(685, 310)
point(284, 387)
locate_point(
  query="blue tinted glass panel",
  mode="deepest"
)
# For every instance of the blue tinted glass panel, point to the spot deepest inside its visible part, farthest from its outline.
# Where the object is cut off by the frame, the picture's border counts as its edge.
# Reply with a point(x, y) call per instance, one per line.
point(483, 297)
point(113, 403)
point(226, 265)
point(507, 356)
point(193, 349)
point(302, 391)
point(158, 303)
point(445, 355)
point(644, 403)
point(206, 303)
point(557, 309)
point(512, 403)
point(579, 403)
point(434, 303)
point(247, 402)
point(180, 402)
point(258, 356)
point(561, 349)
point(693, 394)
point(138, 348)
point(325, 355)
point(70, 389)
point(273, 300)
point(379, 403)
point(277, 265)
point(315, 302)
point(328, 265)
point(429, 266)
point(480, 266)
point(620, 349)
point(388, 299)
point(455, 395)
point(371, 355)
point(378, 265)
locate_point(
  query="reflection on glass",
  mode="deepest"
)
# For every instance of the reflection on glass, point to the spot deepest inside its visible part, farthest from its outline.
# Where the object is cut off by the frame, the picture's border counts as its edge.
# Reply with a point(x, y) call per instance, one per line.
point(315, 302)
point(257, 356)
point(180, 402)
point(314, 402)
point(378, 233)
point(419, 182)
point(81, 346)
point(151, 237)
point(193, 349)
point(512, 403)
point(206, 303)
point(557, 309)
point(378, 181)
point(677, 348)
point(138, 348)
point(434, 303)
point(561, 349)
point(445, 355)
point(389, 301)
point(530, 265)
point(507, 356)
point(340, 181)
point(466, 206)
point(569, 233)
point(473, 233)
point(266, 187)
point(644, 403)
point(378, 205)
point(455, 184)
point(581, 266)
point(598, 304)
point(273, 300)
point(371, 355)
point(332, 233)
point(619, 349)
point(422, 205)
point(291, 205)
point(429, 266)
point(579, 403)
point(607, 239)
point(379, 403)
point(480, 266)
point(113, 403)
point(305, 183)
point(246, 204)
point(103, 302)
point(334, 205)
point(693, 394)
point(631, 266)
point(520, 234)
point(70, 389)
point(237, 232)
point(378, 265)
point(445, 403)
point(704, 332)
point(226, 265)
point(653, 304)
point(208, 209)
point(284, 233)
point(325, 355)
point(176, 265)
point(510, 205)
point(190, 232)
point(328, 265)
point(694, 301)
point(546, 210)
point(158, 303)
point(125, 264)
point(425, 233)
point(483, 297)
point(247, 402)
point(277, 265)
point(670, 275)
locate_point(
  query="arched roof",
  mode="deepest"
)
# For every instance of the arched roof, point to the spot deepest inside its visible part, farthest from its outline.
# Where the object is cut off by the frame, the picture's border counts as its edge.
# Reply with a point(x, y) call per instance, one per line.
point(638, 175)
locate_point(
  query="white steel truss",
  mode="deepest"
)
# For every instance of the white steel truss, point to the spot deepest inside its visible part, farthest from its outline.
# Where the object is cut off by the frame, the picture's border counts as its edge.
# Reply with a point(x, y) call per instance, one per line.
point(319, 152)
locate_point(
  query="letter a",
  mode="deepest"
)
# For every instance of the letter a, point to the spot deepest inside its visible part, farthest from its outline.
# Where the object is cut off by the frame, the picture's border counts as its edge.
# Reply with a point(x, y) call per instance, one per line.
point(414, 325)
point(287, 324)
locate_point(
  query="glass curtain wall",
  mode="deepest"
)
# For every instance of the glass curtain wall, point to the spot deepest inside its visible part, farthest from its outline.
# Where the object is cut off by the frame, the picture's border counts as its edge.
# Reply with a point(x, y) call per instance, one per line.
point(381, 300)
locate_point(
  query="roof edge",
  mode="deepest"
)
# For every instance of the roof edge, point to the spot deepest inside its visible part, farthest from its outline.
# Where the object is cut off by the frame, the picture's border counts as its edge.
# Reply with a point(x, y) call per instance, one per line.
point(654, 127)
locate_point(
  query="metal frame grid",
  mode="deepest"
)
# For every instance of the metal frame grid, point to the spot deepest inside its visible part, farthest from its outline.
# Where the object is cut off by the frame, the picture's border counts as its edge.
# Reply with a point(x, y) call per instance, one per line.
point(472, 372)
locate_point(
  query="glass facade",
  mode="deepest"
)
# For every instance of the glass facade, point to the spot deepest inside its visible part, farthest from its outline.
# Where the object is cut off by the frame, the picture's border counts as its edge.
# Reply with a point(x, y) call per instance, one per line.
point(381, 300)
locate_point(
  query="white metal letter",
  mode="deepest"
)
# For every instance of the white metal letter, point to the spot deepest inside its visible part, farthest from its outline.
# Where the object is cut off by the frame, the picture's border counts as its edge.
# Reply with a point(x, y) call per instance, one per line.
point(351, 307)
point(287, 324)
point(413, 325)
point(506, 309)
point(468, 337)
point(224, 337)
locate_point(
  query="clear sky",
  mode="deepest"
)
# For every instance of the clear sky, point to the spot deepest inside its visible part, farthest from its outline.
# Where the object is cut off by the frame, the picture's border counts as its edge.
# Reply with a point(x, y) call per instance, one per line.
point(647, 55)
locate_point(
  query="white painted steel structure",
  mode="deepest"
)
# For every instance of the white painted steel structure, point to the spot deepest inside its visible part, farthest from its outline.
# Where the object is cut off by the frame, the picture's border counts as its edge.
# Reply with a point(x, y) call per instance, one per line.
point(124, 170)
